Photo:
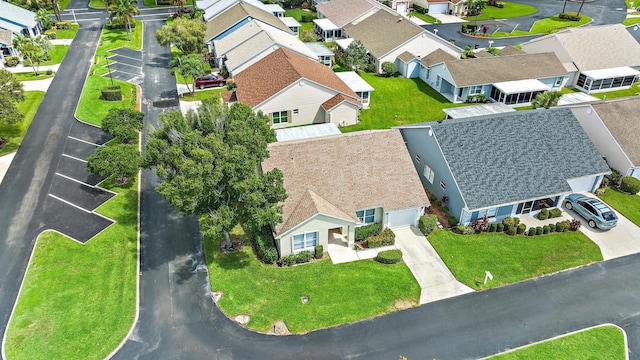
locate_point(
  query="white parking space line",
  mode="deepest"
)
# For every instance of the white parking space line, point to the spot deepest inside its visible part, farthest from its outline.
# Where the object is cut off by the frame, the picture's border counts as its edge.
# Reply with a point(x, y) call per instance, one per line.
point(124, 56)
point(84, 141)
point(72, 204)
point(74, 158)
point(85, 184)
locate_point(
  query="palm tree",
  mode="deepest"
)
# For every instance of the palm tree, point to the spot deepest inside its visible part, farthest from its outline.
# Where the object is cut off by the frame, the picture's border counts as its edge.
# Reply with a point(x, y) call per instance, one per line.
point(42, 16)
point(547, 99)
point(124, 11)
point(564, 7)
point(189, 66)
point(580, 9)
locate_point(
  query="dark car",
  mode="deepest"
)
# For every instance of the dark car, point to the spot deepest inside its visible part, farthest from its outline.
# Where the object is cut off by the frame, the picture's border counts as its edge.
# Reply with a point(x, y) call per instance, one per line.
point(210, 81)
point(597, 213)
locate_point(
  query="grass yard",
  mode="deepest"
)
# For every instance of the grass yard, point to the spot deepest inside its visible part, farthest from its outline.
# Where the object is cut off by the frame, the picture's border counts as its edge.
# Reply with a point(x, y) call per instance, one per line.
point(28, 76)
point(56, 55)
point(511, 258)
point(545, 26)
point(510, 10)
point(631, 20)
point(78, 301)
point(13, 134)
point(399, 101)
point(68, 34)
point(337, 294)
point(297, 13)
point(632, 91)
point(203, 94)
point(626, 204)
point(424, 17)
point(603, 342)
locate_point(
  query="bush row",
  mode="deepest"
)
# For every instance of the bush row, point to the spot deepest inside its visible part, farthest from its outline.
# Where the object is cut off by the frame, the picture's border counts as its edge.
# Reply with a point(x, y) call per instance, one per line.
point(512, 226)
point(561, 226)
point(11, 61)
point(111, 93)
point(545, 214)
point(420, 9)
point(302, 257)
point(427, 223)
point(386, 237)
point(265, 247)
point(63, 25)
point(570, 16)
point(389, 256)
point(367, 231)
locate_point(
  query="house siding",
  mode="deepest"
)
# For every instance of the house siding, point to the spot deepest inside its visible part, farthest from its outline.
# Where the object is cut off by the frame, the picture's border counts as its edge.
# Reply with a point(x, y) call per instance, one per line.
point(320, 223)
point(342, 115)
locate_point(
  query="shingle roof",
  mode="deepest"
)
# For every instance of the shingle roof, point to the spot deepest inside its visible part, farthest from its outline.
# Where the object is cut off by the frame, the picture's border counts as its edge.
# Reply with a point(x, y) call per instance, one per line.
point(254, 87)
point(483, 53)
point(212, 9)
point(437, 56)
point(382, 32)
point(406, 56)
point(522, 155)
point(342, 12)
point(337, 99)
point(6, 37)
point(330, 175)
point(236, 13)
point(600, 47)
point(488, 70)
point(623, 121)
point(17, 14)
point(510, 50)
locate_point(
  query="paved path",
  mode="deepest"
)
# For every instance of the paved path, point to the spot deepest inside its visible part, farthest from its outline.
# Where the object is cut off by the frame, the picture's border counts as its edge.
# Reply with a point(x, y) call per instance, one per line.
point(37, 85)
point(435, 279)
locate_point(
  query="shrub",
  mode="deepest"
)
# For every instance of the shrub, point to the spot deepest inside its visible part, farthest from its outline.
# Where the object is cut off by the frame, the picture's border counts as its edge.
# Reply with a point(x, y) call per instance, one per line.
point(318, 251)
point(570, 16)
point(545, 229)
point(465, 230)
point(552, 227)
point(543, 214)
point(427, 223)
point(123, 124)
point(468, 28)
point(308, 35)
point(432, 198)
point(116, 26)
point(575, 225)
point(511, 230)
point(386, 237)
point(439, 203)
point(389, 68)
point(265, 247)
point(306, 18)
point(11, 61)
point(304, 256)
point(554, 213)
point(366, 231)
point(49, 72)
point(521, 229)
point(389, 256)
point(111, 93)
point(51, 34)
point(493, 227)
point(560, 227)
point(286, 261)
point(500, 227)
point(452, 221)
point(539, 230)
point(370, 68)
point(532, 231)
point(507, 221)
point(420, 9)
point(516, 221)
point(63, 25)
point(630, 185)
point(445, 208)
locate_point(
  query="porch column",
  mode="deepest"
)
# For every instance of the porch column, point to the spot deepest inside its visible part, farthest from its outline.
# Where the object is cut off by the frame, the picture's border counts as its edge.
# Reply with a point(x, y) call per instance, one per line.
point(352, 236)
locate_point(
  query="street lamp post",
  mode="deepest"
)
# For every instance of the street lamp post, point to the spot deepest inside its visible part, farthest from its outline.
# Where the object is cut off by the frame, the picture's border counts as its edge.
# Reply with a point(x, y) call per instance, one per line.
point(109, 68)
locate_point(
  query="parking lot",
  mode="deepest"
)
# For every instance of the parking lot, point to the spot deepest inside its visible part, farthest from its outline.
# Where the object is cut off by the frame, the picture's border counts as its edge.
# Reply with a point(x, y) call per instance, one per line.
point(125, 65)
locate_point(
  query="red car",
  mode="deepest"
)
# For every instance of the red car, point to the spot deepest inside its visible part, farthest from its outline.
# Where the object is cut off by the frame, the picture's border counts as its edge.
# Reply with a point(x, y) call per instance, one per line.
point(210, 81)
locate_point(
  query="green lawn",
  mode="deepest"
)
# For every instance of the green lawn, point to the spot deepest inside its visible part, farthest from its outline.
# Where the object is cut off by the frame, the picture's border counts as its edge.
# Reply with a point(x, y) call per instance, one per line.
point(424, 17)
point(91, 107)
point(13, 134)
point(545, 26)
point(398, 101)
point(604, 342)
point(626, 204)
point(203, 94)
point(28, 76)
point(78, 301)
point(510, 10)
point(56, 55)
point(63, 4)
point(68, 34)
point(631, 20)
point(337, 294)
point(632, 91)
point(511, 258)
point(297, 13)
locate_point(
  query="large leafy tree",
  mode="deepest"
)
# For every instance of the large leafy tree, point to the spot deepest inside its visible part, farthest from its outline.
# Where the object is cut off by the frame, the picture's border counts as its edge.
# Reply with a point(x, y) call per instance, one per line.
point(11, 92)
point(121, 160)
point(189, 66)
point(186, 34)
point(210, 160)
point(123, 11)
point(123, 124)
point(33, 50)
point(546, 99)
point(355, 56)
point(42, 15)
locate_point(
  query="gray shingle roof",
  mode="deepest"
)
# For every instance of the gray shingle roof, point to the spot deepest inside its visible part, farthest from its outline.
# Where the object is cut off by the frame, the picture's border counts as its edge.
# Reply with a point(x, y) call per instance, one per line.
point(17, 14)
point(506, 158)
point(5, 37)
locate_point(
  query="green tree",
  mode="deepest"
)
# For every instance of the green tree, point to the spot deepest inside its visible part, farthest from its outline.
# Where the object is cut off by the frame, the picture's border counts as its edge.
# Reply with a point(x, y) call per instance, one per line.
point(546, 99)
point(197, 13)
point(579, 10)
point(189, 66)
point(124, 11)
point(11, 92)
point(121, 160)
point(389, 68)
point(33, 50)
point(178, 3)
point(210, 160)
point(186, 34)
point(123, 124)
point(355, 56)
point(42, 16)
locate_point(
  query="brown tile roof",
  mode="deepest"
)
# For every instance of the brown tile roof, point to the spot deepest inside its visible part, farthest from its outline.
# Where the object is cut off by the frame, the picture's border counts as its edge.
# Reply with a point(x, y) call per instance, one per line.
point(623, 121)
point(382, 32)
point(406, 56)
point(488, 70)
point(510, 50)
point(280, 69)
point(342, 12)
point(231, 16)
point(339, 98)
point(229, 96)
point(435, 57)
point(343, 180)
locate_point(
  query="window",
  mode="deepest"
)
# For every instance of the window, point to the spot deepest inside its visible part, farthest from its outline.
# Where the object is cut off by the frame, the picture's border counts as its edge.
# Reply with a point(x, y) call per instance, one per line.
point(428, 173)
point(305, 240)
point(366, 216)
point(558, 81)
point(491, 213)
point(295, 111)
point(364, 97)
point(280, 117)
point(475, 90)
point(581, 80)
point(443, 186)
point(418, 157)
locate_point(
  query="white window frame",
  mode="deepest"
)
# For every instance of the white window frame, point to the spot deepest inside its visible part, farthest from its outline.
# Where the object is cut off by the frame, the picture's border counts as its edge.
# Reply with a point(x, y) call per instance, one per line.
point(428, 173)
point(558, 81)
point(491, 213)
point(365, 216)
point(279, 117)
point(304, 240)
point(475, 89)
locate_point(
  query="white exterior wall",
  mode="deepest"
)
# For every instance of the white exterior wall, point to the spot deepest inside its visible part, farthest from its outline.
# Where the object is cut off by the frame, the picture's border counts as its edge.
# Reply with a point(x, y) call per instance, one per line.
point(307, 98)
point(320, 223)
point(585, 184)
point(439, 8)
point(405, 217)
point(343, 114)
point(420, 45)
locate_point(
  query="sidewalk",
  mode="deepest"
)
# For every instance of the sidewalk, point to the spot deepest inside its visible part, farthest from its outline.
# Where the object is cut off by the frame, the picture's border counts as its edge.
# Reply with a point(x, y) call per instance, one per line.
point(21, 68)
point(5, 161)
point(37, 85)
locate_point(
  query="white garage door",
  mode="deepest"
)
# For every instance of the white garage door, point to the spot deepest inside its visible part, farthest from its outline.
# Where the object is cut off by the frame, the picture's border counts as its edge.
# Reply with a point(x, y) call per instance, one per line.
point(438, 8)
point(401, 8)
point(402, 218)
point(582, 184)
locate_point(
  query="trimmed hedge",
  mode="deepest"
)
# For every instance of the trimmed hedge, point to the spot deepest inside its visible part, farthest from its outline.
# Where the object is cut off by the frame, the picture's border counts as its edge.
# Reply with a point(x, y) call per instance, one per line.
point(427, 224)
point(367, 231)
point(452, 221)
point(543, 214)
point(554, 213)
point(465, 230)
point(389, 256)
point(521, 229)
point(265, 247)
point(111, 93)
point(114, 26)
point(386, 237)
point(11, 61)
point(51, 34)
point(570, 16)
point(630, 185)
point(303, 256)
point(318, 251)
point(63, 25)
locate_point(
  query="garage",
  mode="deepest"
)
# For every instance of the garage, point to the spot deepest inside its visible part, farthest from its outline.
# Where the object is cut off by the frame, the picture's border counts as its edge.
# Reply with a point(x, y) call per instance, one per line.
point(406, 217)
point(587, 184)
point(401, 8)
point(439, 8)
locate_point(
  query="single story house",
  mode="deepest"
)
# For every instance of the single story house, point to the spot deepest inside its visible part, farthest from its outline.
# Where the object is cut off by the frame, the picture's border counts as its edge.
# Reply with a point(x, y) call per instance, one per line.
point(6, 46)
point(323, 53)
point(614, 128)
point(327, 29)
point(358, 85)
point(15, 21)
point(292, 24)
point(512, 80)
point(328, 197)
point(275, 9)
point(597, 58)
point(508, 164)
point(252, 42)
point(302, 91)
point(343, 12)
point(451, 7)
